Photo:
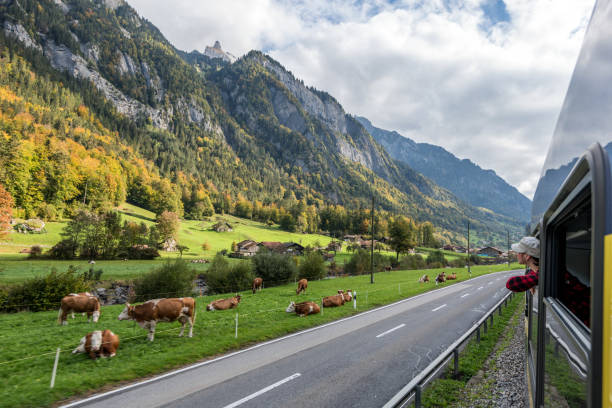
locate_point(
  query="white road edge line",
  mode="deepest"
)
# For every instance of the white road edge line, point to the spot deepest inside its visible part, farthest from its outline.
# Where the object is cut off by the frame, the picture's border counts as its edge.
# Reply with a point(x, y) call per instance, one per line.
point(467, 294)
point(226, 356)
point(263, 390)
point(390, 330)
point(438, 308)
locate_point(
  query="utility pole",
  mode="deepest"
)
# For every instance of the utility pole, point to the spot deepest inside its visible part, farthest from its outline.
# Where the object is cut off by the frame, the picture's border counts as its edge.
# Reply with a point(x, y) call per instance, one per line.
point(508, 250)
point(372, 241)
point(468, 250)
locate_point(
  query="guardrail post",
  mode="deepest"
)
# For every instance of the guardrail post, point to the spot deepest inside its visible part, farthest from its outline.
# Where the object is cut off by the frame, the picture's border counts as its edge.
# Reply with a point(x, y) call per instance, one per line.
point(478, 334)
point(485, 326)
point(499, 309)
point(417, 396)
point(492, 318)
point(456, 356)
point(556, 348)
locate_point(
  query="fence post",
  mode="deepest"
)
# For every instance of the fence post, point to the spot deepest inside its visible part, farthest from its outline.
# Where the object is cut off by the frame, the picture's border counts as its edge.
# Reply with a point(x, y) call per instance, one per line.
point(399, 288)
point(236, 335)
point(478, 334)
point(321, 306)
point(456, 355)
point(417, 396)
point(366, 298)
point(55, 368)
point(354, 299)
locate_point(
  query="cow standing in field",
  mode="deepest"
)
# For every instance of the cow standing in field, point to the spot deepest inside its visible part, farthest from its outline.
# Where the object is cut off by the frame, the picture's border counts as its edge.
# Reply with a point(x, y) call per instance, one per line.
point(98, 344)
point(441, 278)
point(224, 304)
point(80, 303)
point(333, 301)
point(257, 284)
point(302, 285)
point(347, 294)
point(303, 309)
point(424, 279)
point(161, 310)
point(452, 276)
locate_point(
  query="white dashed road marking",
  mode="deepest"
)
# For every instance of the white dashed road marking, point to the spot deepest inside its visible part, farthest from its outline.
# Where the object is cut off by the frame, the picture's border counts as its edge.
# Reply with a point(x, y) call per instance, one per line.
point(438, 308)
point(467, 294)
point(264, 390)
point(480, 287)
point(390, 330)
point(490, 283)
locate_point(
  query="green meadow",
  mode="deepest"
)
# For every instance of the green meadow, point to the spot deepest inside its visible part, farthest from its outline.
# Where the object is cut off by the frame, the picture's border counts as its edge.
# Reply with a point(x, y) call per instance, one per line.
point(30, 340)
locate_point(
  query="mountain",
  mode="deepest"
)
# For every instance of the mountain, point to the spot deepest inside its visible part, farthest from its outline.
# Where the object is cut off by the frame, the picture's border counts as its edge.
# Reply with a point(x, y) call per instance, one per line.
point(469, 182)
point(241, 134)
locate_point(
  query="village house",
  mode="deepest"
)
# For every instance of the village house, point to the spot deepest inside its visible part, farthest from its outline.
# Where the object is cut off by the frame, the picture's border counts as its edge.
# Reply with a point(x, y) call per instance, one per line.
point(247, 248)
point(289, 248)
point(489, 251)
point(352, 238)
point(222, 226)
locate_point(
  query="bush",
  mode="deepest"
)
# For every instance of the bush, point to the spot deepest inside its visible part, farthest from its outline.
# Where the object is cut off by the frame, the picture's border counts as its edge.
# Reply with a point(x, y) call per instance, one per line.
point(173, 279)
point(312, 266)
point(93, 275)
point(142, 252)
point(413, 262)
point(360, 262)
point(458, 262)
point(274, 268)
point(47, 212)
point(436, 257)
point(35, 251)
point(44, 292)
point(223, 277)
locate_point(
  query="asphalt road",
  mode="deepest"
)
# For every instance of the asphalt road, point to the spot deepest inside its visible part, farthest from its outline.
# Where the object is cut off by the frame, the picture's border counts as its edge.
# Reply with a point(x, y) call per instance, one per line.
point(361, 361)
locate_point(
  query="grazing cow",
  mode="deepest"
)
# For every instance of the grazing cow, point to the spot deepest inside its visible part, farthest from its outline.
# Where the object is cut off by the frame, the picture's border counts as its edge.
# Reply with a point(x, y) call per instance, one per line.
point(302, 285)
point(81, 303)
point(224, 304)
point(424, 279)
point(257, 284)
point(333, 301)
point(388, 268)
point(303, 309)
point(161, 310)
point(441, 278)
point(452, 276)
point(347, 294)
point(98, 344)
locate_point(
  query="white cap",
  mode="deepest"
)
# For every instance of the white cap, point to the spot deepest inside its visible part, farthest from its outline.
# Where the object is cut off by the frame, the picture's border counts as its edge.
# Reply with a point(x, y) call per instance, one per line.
point(529, 246)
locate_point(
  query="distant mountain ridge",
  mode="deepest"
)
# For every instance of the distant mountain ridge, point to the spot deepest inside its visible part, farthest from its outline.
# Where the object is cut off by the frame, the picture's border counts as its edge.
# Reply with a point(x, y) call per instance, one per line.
point(247, 131)
point(465, 179)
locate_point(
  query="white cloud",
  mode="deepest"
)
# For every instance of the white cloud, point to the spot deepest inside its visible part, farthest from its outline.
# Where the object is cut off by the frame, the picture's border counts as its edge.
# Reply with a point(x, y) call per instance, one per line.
point(425, 69)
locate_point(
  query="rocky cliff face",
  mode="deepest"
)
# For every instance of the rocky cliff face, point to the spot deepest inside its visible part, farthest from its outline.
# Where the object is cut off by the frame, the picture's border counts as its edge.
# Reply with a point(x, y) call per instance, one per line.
point(480, 188)
point(217, 52)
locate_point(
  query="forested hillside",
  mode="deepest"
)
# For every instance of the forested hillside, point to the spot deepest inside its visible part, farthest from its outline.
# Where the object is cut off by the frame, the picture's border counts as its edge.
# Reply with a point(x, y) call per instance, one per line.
point(168, 130)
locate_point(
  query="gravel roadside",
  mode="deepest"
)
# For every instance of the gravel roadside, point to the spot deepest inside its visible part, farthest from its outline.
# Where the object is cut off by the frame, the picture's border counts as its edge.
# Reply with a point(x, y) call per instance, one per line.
point(502, 382)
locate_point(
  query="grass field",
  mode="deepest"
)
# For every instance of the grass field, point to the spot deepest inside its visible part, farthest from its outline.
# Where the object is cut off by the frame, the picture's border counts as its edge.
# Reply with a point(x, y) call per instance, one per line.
point(29, 340)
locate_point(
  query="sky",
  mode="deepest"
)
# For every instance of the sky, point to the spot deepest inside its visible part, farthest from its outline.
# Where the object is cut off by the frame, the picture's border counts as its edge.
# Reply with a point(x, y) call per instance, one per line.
point(485, 79)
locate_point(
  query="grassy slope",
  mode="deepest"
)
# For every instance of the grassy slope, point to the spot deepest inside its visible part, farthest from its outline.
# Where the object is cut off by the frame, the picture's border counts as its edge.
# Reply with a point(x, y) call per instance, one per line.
point(15, 267)
point(262, 317)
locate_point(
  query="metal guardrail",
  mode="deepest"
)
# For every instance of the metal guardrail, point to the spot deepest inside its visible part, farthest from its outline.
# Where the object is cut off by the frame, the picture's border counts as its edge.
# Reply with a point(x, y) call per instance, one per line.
point(415, 386)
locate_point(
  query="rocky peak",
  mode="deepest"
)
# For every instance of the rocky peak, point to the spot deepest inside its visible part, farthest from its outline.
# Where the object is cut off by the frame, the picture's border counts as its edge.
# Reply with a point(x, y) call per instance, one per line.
point(217, 52)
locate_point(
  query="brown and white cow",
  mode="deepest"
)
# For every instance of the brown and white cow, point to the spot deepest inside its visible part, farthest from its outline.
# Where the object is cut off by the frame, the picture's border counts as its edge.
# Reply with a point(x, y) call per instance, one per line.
point(224, 304)
point(451, 276)
point(303, 309)
point(257, 284)
point(347, 294)
point(99, 344)
point(302, 285)
point(424, 279)
point(441, 278)
point(81, 303)
point(161, 310)
point(333, 301)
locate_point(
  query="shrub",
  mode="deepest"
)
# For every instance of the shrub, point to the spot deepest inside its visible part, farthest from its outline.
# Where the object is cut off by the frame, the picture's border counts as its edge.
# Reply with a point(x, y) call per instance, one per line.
point(205, 246)
point(436, 257)
point(312, 266)
point(458, 262)
point(142, 252)
point(35, 251)
point(44, 292)
point(47, 212)
point(274, 268)
point(413, 262)
point(93, 275)
point(64, 249)
point(360, 263)
point(223, 276)
point(172, 279)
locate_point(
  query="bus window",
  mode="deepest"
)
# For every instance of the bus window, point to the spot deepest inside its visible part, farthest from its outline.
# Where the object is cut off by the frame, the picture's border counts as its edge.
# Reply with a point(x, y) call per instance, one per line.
point(573, 264)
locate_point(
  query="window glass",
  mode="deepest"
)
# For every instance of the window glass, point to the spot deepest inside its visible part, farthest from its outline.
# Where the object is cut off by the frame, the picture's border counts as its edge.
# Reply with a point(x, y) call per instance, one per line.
point(573, 283)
